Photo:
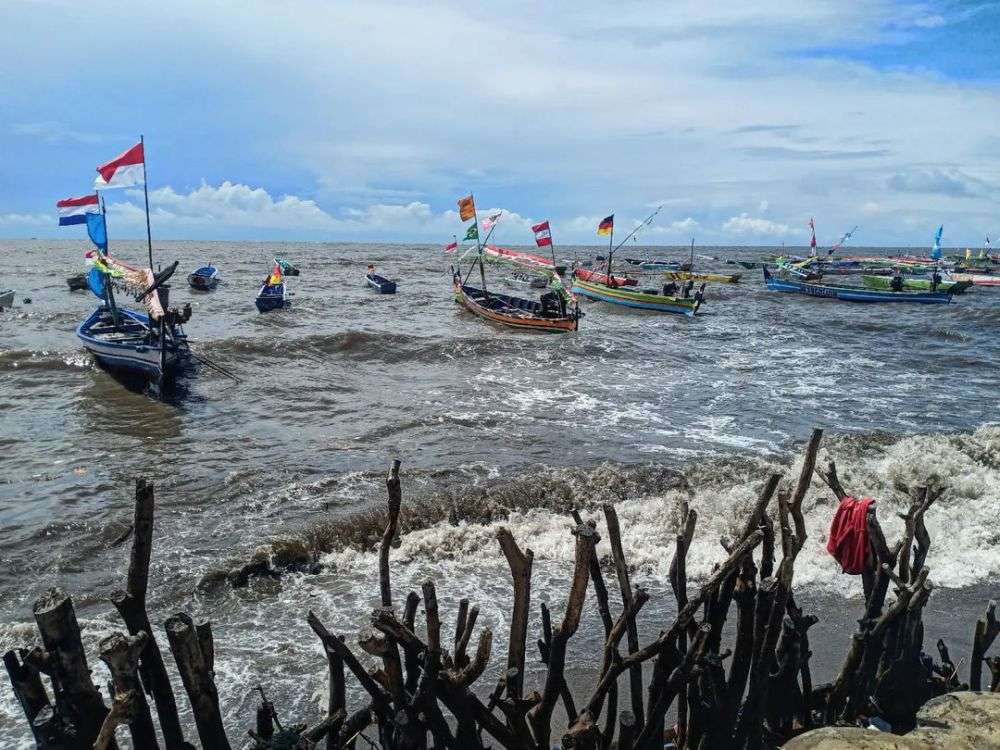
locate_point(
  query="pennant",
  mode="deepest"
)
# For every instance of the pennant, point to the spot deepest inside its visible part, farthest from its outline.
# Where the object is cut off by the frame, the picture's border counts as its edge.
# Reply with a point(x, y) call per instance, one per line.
point(489, 221)
point(97, 230)
point(451, 246)
point(75, 210)
point(606, 226)
point(466, 208)
point(472, 234)
point(543, 235)
point(124, 171)
point(275, 278)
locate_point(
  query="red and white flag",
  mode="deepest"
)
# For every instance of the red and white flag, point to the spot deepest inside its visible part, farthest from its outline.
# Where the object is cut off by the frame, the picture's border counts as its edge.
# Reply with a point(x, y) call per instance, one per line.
point(489, 221)
point(543, 236)
point(123, 171)
point(451, 247)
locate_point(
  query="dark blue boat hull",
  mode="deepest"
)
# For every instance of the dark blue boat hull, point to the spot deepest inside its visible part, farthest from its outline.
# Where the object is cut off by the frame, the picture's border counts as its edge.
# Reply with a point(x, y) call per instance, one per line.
point(272, 297)
point(851, 294)
point(380, 284)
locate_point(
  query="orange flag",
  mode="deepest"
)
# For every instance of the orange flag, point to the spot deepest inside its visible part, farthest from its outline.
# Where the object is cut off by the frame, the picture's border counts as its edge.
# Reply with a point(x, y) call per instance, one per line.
point(466, 208)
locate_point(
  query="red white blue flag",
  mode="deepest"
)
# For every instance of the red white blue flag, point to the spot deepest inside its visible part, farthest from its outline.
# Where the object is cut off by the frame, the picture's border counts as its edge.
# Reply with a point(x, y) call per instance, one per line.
point(123, 171)
point(75, 210)
point(543, 236)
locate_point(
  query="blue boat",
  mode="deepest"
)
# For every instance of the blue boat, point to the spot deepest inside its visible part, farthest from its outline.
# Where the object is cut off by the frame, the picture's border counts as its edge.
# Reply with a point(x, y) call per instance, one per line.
point(380, 284)
point(851, 293)
point(204, 279)
point(272, 297)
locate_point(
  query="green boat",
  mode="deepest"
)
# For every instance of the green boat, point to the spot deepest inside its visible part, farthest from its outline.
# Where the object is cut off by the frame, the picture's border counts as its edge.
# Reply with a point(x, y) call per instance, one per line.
point(885, 282)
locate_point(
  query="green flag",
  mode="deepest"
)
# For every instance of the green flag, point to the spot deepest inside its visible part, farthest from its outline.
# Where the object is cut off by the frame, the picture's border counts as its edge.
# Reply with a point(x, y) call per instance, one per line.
point(472, 234)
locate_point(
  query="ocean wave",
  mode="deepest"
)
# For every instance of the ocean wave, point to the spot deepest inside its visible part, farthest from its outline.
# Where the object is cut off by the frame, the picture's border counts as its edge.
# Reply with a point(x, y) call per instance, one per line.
point(15, 360)
point(458, 525)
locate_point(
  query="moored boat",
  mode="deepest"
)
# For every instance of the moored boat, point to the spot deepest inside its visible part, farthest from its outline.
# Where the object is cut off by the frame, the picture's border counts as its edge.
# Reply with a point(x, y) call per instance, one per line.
point(978, 279)
point(380, 284)
point(850, 293)
point(546, 316)
point(718, 278)
point(647, 299)
point(272, 297)
point(884, 282)
point(602, 278)
point(204, 279)
point(6, 298)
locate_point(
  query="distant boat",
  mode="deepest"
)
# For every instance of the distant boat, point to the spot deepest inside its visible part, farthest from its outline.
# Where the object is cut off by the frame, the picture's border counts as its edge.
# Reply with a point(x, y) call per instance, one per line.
point(6, 298)
point(204, 279)
point(380, 284)
point(884, 282)
point(979, 279)
point(272, 297)
point(77, 283)
point(718, 278)
point(602, 278)
point(851, 293)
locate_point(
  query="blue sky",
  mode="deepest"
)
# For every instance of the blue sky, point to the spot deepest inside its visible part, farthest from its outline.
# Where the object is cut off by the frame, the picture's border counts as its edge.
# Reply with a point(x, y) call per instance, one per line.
point(365, 121)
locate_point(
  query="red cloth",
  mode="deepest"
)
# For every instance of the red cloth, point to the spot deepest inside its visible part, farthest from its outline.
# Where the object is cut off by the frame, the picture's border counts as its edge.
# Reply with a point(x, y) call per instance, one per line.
point(849, 534)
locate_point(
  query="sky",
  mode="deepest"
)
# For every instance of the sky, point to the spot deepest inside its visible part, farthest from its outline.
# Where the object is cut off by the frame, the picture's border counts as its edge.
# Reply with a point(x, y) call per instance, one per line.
point(347, 121)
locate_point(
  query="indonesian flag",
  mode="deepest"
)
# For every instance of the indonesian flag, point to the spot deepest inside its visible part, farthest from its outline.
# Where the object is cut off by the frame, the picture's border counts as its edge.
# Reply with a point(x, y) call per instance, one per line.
point(124, 171)
point(543, 236)
point(75, 210)
point(489, 221)
point(451, 247)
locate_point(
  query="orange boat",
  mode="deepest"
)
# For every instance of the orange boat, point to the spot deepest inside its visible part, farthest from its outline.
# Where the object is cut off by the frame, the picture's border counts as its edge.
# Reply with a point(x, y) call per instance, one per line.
point(602, 278)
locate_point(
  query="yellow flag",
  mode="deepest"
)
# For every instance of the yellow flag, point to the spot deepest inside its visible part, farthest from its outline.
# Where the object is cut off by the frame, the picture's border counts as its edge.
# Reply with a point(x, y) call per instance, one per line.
point(466, 208)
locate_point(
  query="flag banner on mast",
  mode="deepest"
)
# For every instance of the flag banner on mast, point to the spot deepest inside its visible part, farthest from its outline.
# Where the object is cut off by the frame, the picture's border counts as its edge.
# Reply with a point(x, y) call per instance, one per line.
point(606, 225)
point(936, 250)
point(75, 210)
point(472, 234)
point(466, 208)
point(543, 235)
point(489, 221)
point(451, 247)
point(97, 230)
point(123, 171)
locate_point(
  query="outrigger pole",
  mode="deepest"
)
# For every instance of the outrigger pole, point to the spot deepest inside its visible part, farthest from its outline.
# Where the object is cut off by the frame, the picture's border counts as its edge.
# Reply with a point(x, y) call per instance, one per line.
point(631, 234)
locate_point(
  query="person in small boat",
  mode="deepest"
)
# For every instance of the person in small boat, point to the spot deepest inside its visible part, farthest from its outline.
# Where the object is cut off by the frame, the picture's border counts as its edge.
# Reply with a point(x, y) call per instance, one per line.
point(556, 285)
point(896, 284)
point(936, 279)
point(371, 269)
point(670, 290)
point(686, 289)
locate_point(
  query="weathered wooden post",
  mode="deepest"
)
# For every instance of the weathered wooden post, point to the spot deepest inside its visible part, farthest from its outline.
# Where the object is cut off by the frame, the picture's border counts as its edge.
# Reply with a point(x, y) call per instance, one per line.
point(194, 653)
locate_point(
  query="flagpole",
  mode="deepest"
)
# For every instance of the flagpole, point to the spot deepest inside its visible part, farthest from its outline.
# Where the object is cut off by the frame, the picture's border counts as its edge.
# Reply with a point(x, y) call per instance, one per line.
point(145, 193)
point(611, 241)
point(104, 216)
point(479, 246)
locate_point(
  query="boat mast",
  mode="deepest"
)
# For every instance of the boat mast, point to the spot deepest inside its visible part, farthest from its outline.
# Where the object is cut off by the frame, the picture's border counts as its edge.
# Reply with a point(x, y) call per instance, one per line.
point(611, 252)
point(109, 294)
point(646, 223)
point(145, 193)
point(479, 248)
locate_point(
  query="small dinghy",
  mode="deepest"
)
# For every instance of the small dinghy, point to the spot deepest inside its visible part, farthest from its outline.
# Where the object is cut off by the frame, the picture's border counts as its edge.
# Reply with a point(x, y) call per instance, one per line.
point(380, 284)
point(204, 279)
point(77, 283)
point(6, 298)
point(273, 295)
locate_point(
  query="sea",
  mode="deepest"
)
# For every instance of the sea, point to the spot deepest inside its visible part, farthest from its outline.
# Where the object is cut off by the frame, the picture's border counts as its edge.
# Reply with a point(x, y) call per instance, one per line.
point(494, 427)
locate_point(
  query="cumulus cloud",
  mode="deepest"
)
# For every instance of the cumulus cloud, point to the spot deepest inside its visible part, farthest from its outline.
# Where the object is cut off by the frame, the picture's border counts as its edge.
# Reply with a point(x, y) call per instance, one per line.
point(685, 225)
point(16, 221)
point(745, 225)
point(951, 182)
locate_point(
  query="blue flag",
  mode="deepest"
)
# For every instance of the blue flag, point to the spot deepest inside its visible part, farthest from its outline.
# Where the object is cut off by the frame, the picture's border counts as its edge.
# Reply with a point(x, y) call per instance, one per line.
point(936, 250)
point(96, 282)
point(98, 231)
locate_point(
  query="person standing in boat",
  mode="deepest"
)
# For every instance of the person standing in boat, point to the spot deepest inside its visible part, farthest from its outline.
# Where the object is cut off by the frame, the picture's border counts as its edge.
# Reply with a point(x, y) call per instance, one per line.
point(936, 279)
point(670, 289)
point(556, 285)
point(897, 280)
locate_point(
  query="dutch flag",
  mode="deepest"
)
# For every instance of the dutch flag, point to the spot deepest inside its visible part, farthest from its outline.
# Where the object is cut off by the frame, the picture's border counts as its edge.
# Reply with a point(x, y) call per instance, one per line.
point(75, 210)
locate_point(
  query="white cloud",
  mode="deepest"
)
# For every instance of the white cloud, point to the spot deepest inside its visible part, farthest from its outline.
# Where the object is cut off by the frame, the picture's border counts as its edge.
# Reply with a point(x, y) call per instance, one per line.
point(745, 225)
point(762, 209)
point(685, 225)
point(19, 221)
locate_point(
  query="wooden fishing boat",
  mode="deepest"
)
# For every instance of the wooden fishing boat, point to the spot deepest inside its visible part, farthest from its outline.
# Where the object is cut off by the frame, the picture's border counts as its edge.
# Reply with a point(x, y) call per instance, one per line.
point(978, 279)
point(884, 282)
point(77, 283)
point(272, 297)
point(516, 312)
point(602, 278)
point(850, 293)
point(380, 284)
point(503, 255)
point(151, 345)
point(719, 278)
point(646, 299)
point(654, 264)
point(6, 298)
point(204, 279)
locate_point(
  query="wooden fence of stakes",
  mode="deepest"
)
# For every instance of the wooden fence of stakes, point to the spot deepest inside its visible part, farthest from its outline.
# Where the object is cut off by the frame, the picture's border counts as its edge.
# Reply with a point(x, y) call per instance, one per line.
point(418, 691)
